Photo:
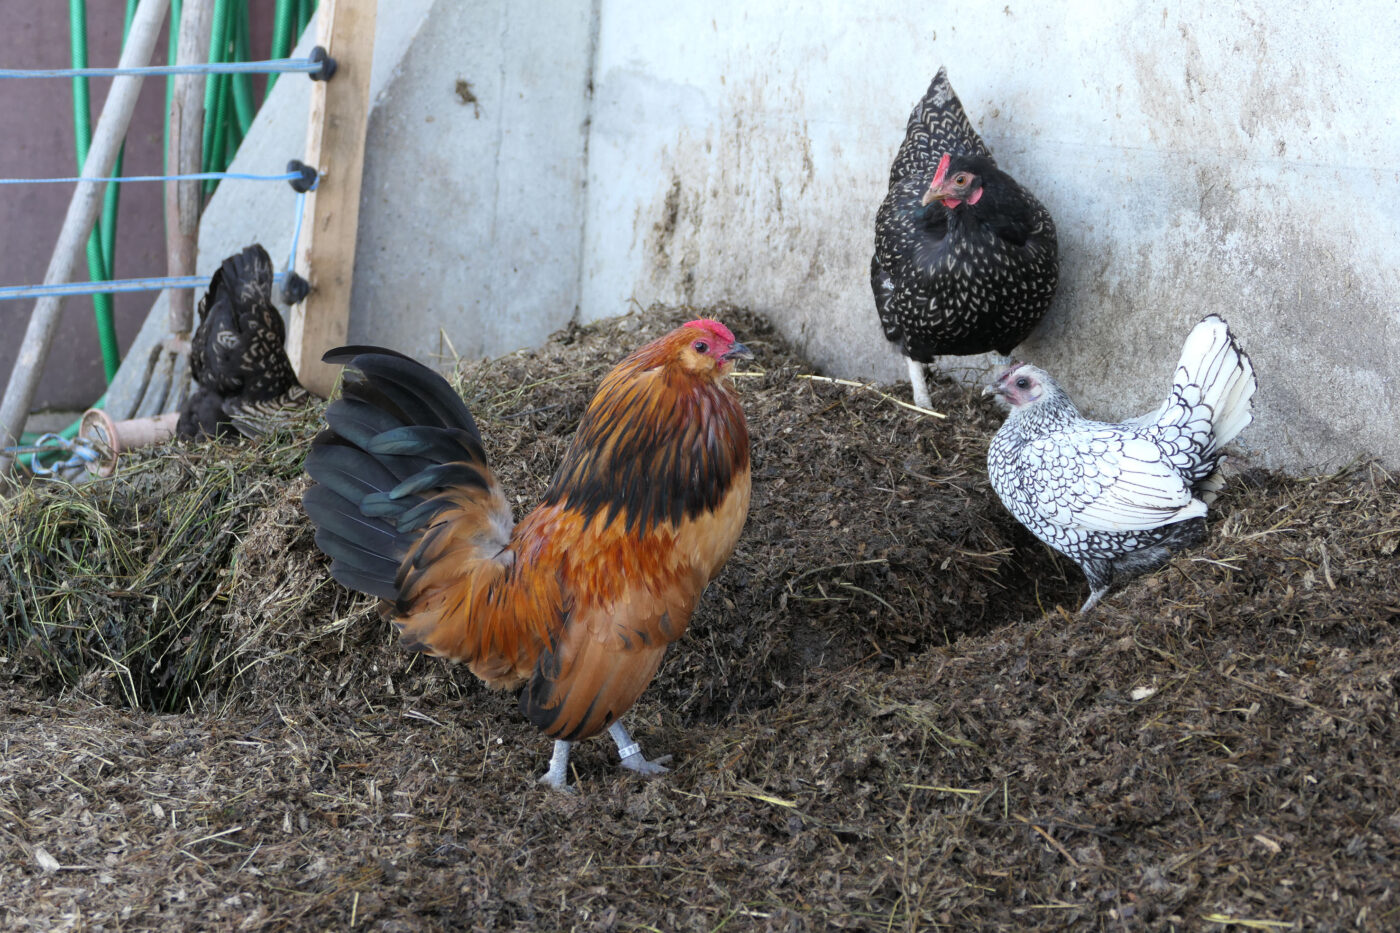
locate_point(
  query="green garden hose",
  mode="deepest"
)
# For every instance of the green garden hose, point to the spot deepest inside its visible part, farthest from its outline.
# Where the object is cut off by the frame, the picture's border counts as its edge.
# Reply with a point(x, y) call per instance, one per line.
point(99, 247)
point(241, 86)
point(215, 115)
point(283, 26)
point(172, 52)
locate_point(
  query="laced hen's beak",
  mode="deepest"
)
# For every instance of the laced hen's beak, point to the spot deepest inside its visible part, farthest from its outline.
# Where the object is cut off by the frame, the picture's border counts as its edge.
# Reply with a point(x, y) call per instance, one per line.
point(998, 386)
point(738, 352)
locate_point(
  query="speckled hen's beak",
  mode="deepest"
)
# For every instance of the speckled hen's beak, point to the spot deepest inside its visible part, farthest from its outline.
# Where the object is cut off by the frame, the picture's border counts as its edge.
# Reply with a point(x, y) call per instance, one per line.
point(933, 194)
point(738, 352)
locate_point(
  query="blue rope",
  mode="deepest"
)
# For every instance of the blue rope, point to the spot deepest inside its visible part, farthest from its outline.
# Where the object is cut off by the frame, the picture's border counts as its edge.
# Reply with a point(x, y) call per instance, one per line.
point(197, 176)
point(276, 66)
point(66, 289)
point(296, 229)
point(80, 452)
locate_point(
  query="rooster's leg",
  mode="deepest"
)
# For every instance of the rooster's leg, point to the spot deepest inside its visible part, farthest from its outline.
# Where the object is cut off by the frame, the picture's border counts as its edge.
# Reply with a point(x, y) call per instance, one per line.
point(558, 774)
point(917, 383)
point(631, 752)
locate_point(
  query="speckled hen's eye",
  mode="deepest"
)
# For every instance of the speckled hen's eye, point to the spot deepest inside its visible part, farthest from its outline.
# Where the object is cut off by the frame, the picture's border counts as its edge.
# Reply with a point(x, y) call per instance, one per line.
point(1023, 383)
point(961, 179)
point(701, 346)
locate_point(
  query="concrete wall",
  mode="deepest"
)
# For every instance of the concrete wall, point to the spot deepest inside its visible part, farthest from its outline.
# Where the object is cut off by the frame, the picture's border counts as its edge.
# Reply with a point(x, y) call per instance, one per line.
point(1197, 157)
point(473, 186)
point(472, 206)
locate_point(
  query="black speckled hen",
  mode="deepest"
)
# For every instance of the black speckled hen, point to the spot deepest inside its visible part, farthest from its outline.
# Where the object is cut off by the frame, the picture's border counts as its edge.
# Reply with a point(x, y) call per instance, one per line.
point(966, 260)
point(238, 356)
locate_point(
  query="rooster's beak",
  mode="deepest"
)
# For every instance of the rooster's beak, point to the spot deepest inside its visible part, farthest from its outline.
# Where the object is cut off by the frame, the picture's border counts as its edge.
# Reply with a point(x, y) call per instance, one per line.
point(738, 352)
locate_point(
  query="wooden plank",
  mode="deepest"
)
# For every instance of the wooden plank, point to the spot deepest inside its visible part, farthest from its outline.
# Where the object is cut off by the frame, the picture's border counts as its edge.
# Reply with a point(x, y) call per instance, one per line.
point(182, 198)
point(335, 145)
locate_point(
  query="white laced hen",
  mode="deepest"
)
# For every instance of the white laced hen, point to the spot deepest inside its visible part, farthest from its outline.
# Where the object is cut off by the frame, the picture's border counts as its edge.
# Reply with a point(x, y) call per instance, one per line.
point(1119, 499)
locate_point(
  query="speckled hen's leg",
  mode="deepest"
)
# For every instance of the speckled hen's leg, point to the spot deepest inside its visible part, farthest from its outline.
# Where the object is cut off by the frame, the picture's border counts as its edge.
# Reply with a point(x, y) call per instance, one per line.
point(631, 752)
point(916, 381)
point(558, 774)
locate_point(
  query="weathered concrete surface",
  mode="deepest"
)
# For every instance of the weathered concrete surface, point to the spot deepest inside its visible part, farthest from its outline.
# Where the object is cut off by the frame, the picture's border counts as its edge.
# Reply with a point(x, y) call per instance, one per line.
point(1239, 159)
point(1198, 157)
point(472, 212)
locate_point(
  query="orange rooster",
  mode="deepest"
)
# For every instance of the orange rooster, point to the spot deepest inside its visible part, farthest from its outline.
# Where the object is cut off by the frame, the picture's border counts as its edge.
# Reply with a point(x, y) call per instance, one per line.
point(578, 602)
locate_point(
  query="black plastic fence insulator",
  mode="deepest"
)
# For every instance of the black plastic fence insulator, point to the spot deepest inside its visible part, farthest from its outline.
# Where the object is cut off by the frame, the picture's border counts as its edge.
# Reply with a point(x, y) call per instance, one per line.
point(328, 66)
point(294, 288)
point(307, 179)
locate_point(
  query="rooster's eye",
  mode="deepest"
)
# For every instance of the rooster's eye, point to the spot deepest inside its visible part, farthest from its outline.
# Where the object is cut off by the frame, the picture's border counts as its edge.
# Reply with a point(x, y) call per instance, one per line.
point(701, 347)
point(1023, 383)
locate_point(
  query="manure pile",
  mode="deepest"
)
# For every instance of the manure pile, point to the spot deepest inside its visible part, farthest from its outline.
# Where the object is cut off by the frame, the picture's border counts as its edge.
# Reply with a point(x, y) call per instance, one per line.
point(881, 716)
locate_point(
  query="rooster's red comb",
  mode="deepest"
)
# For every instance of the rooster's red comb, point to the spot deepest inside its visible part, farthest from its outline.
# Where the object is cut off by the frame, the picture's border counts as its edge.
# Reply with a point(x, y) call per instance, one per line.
point(714, 327)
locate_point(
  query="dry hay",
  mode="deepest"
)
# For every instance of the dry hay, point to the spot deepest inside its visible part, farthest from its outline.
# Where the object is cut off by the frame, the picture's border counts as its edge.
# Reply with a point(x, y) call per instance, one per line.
point(881, 717)
point(193, 576)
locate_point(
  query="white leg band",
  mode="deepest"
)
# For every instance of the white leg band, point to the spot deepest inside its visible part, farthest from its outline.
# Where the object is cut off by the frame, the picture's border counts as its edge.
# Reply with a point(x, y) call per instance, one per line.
point(626, 748)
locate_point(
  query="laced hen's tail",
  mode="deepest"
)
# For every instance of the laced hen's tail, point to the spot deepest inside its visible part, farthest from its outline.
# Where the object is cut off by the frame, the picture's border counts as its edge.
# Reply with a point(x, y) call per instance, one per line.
point(937, 124)
point(403, 494)
point(1209, 403)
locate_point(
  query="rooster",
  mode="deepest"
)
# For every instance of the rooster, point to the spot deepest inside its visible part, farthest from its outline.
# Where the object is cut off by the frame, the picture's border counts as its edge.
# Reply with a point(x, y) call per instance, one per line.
point(1118, 499)
point(238, 355)
point(578, 602)
point(966, 260)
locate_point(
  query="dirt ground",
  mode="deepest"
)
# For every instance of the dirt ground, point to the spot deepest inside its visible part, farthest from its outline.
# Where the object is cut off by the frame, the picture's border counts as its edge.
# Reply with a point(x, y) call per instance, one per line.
point(884, 716)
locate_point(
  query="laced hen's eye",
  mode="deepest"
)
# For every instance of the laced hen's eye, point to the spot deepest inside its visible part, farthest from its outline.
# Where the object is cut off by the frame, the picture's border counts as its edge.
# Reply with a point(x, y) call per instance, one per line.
point(701, 346)
point(1023, 383)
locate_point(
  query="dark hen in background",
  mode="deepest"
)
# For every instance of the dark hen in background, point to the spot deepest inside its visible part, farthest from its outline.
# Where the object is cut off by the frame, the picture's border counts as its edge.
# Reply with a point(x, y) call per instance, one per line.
point(966, 259)
point(238, 355)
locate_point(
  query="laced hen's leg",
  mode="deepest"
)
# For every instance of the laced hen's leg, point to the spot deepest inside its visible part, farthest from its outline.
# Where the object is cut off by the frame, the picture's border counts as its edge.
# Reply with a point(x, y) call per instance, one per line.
point(1099, 573)
point(557, 776)
point(1094, 596)
point(918, 383)
point(631, 752)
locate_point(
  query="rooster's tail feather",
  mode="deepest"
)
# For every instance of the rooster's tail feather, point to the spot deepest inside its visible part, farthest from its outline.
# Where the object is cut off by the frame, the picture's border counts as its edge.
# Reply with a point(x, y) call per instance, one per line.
point(401, 449)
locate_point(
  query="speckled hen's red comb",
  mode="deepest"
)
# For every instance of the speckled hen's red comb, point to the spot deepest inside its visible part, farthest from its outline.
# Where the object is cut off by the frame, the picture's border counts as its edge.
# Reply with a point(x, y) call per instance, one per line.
point(942, 172)
point(714, 327)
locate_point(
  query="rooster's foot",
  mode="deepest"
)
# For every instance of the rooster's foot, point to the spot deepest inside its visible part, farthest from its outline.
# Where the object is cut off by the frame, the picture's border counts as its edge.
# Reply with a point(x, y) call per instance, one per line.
point(631, 753)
